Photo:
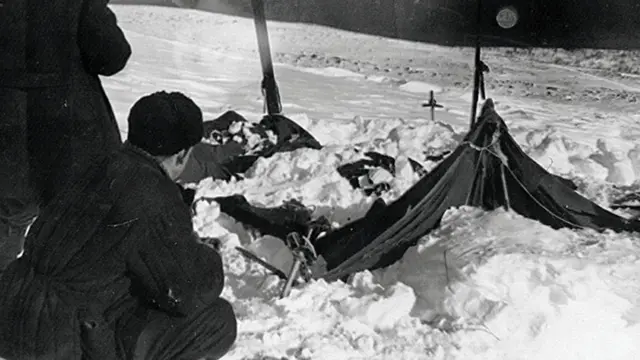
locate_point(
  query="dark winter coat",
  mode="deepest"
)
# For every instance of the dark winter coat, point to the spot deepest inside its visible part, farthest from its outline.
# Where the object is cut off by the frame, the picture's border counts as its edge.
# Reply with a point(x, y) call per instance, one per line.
point(119, 241)
point(54, 115)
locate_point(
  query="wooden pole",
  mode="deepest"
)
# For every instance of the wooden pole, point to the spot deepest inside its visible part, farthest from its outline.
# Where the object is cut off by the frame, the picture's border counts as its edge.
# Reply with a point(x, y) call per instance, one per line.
point(477, 73)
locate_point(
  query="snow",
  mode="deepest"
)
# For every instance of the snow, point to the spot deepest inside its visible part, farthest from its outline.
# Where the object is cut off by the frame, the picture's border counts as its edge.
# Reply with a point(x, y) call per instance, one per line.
point(485, 285)
point(420, 87)
point(543, 293)
point(332, 72)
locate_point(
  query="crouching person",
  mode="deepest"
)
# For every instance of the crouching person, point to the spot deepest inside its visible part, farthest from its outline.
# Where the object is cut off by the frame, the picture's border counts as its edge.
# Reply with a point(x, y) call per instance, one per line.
point(114, 269)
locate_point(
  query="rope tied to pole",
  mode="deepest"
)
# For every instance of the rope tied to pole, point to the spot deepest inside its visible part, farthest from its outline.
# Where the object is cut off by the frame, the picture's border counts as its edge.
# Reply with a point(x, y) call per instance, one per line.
point(494, 149)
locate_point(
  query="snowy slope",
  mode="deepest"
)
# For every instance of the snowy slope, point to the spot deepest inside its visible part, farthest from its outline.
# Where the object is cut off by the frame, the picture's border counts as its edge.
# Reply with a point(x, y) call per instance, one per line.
point(484, 285)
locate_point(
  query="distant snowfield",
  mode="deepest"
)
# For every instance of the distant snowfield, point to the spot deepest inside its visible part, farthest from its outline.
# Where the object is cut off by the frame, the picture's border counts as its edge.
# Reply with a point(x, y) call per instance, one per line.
point(485, 285)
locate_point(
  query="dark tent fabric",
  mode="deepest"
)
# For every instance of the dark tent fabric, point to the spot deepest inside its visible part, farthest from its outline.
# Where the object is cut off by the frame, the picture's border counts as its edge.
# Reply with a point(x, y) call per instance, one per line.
point(488, 170)
point(357, 170)
point(372, 159)
point(291, 216)
point(227, 154)
point(279, 222)
point(291, 136)
point(352, 171)
point(630, 200)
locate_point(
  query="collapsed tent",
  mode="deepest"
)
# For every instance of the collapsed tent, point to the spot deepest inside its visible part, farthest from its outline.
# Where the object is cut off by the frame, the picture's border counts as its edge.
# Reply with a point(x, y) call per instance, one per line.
point(489, 170)
point(232, 144)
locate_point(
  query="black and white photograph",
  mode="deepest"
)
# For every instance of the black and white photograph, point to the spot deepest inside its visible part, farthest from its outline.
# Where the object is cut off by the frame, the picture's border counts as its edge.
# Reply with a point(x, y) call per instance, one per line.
point(319, 179)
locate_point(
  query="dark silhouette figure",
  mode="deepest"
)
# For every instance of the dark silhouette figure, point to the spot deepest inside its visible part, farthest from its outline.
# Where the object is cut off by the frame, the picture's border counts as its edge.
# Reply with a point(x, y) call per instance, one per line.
point(54, 115)
point(112, 268)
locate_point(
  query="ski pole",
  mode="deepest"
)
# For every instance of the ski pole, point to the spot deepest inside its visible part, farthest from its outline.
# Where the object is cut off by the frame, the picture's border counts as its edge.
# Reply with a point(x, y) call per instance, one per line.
point(269, 85)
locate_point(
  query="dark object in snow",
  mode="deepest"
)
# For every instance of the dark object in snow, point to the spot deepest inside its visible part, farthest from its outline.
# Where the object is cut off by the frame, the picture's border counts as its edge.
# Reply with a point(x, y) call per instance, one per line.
point(233, 145)
point(488, 170)
point(218, 128)
point(438, 157)
point(417, 168)
point(291, 136)
point(279, 222)
point(377, 189)
point(113, 266)
point(355, 170)
point(629, 201)
point(55, 117)
point(290, 217)
point(240, 164)
point(360, 170)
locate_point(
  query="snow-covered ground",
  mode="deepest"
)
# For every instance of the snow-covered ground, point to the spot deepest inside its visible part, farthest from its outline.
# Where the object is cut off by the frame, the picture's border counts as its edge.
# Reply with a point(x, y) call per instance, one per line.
point(485, 285)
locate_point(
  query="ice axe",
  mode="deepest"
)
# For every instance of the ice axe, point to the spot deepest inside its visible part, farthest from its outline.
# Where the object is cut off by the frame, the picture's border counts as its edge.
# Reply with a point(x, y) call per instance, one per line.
point(303, 255)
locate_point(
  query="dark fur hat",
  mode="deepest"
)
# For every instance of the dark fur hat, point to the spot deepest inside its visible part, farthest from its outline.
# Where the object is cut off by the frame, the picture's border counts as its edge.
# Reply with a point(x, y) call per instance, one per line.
point(165, 123)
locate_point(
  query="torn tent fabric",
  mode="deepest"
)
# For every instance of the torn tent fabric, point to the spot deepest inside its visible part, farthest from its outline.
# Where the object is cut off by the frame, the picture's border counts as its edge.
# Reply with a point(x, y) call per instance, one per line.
point(489, 170)
point(232, 145)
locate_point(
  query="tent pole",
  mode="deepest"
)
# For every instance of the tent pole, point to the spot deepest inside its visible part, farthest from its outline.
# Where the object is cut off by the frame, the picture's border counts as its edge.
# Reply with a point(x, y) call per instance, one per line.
point(477, 73)
point(269, 85)
point(507, 202)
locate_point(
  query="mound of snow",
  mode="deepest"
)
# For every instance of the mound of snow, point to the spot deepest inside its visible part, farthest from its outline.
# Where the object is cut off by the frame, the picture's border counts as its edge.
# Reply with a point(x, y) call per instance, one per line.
point(534, 292)
point(559, 155)
point(378, 78)
point(332, 72)
point(616, 161)
point(377, 307)
point(416, 139)
point(606, 160)
point(420, 87)
point(325, 321)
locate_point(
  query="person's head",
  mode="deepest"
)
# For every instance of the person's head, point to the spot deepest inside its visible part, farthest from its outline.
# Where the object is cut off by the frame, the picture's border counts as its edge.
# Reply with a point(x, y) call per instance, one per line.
point(166, 125)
